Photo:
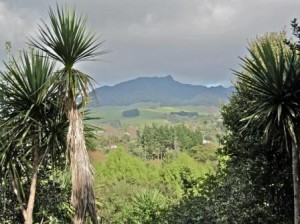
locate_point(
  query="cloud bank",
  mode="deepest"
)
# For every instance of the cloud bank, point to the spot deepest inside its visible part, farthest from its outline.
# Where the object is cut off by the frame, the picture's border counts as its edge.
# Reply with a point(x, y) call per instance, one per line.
point(195, 41)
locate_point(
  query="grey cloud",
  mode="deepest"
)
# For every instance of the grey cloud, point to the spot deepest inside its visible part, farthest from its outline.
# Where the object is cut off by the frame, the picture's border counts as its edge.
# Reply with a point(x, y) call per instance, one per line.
point(196, 41)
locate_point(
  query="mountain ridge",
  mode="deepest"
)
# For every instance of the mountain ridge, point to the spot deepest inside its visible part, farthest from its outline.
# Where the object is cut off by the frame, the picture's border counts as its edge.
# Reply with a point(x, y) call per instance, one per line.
point(164, 90)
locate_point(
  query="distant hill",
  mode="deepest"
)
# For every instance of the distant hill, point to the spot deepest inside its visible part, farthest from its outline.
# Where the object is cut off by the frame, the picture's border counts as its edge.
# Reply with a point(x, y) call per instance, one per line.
point(164, 90)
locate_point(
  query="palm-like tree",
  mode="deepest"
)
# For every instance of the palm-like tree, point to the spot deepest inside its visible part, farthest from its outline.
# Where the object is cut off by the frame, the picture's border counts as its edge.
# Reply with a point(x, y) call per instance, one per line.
point(272, 75)
point(31, 123)
point(68, 41)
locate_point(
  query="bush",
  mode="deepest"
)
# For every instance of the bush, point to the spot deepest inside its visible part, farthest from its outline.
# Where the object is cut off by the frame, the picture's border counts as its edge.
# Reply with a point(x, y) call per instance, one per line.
point(173, 170)
point(131, 113)
point(148, 206)
point(121, 166)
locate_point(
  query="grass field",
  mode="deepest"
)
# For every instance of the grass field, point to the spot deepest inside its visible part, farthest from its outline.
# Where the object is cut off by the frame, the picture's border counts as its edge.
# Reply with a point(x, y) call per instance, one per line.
point(149, 113)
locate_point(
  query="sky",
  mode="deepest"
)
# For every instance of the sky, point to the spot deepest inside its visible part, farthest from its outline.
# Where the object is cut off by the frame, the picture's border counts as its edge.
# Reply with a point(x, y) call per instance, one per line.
point(195, 41)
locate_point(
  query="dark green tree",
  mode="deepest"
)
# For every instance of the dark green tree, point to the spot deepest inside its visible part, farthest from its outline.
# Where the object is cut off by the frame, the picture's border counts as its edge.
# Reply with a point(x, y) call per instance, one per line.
point(271, 73)
point(32, 125)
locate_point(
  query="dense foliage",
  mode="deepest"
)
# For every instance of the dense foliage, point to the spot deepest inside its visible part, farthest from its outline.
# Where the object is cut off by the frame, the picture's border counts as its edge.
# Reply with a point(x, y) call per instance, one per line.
point(254, 182)
point(131, 189)
point(53, 206)
point(157, 140)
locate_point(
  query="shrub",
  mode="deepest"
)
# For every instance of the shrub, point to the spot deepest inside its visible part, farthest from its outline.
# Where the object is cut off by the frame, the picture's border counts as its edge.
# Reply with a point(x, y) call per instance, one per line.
point(131, 113)
point(147, 207)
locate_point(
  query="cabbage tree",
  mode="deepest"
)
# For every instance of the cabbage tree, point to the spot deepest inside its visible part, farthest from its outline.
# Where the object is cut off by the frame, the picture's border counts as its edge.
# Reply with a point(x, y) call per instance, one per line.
point(67, 40)
point(271, 73)
point(32, 125)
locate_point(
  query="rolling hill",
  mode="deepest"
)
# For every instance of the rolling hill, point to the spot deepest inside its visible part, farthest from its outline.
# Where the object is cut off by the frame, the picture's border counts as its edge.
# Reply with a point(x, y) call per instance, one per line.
point(164, 90)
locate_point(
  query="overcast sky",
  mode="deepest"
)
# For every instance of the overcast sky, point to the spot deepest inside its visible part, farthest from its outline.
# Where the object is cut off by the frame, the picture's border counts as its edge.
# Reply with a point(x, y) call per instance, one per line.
point(195, 41)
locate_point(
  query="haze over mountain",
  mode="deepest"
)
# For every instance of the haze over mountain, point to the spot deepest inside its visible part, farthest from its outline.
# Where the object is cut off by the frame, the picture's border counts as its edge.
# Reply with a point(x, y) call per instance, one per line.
point(164, 90)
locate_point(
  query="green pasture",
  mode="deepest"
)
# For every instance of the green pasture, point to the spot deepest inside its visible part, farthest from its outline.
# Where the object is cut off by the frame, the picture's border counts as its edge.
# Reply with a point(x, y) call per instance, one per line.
point(149, 113)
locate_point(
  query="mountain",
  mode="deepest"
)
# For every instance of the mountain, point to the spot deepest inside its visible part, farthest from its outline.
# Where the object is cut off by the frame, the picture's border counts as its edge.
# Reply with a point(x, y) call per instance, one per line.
point(164, 90)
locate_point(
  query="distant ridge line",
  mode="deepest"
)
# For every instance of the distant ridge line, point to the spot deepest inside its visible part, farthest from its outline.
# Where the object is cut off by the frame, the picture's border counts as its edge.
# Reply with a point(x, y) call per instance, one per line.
point(164, 90)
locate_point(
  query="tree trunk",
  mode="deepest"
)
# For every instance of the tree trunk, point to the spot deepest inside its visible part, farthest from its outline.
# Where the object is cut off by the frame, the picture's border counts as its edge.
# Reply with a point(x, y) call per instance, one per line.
point(31, 199)
point(28, 213)
point(82, 178)
point(296, 179)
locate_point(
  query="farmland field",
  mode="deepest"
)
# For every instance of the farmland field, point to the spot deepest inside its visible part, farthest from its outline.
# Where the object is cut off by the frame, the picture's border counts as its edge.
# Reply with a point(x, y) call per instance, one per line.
point(149, 113)
point(114, 124)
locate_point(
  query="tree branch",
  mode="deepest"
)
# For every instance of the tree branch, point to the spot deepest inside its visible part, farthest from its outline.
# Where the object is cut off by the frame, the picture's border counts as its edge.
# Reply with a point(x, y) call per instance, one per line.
point(14, 186)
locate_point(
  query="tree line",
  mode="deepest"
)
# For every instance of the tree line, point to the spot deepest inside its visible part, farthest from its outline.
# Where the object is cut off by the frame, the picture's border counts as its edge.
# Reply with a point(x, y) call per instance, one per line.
point(157, 140)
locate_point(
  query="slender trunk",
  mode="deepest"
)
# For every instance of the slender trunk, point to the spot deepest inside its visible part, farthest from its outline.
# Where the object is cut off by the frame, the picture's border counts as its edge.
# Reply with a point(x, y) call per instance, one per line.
point(296, 177)
point(28, 213)
point(82, 178)
point(31, 199)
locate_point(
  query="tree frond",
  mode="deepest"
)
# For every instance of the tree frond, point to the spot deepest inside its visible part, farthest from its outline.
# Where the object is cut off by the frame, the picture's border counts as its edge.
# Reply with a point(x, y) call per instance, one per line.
point(67, 39)
point(270, 74)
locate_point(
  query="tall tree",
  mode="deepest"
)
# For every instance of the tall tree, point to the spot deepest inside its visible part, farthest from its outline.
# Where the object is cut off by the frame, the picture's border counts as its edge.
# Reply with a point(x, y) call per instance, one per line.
point(67, 40)
point(272, 75)
point(31, 124)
